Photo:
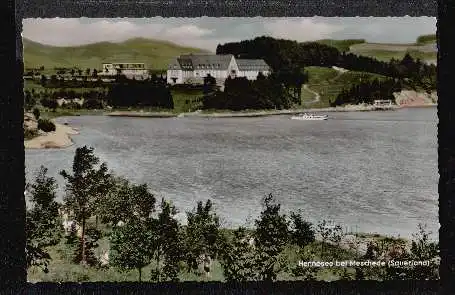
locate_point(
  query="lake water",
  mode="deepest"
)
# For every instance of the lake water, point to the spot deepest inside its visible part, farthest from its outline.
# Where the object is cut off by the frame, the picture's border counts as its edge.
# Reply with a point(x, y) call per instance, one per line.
point(369, 171)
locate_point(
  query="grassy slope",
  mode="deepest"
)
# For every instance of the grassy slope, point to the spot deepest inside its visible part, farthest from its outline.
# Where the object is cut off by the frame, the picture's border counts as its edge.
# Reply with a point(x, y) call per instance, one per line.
point(156, 54)
point(329, 83)
point(381, 51)
point(397, 51)
point(386, 55)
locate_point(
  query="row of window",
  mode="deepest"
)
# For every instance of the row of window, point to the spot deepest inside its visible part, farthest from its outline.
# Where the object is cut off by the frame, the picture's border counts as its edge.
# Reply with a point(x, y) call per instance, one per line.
point(201, 66)
point(130, 66)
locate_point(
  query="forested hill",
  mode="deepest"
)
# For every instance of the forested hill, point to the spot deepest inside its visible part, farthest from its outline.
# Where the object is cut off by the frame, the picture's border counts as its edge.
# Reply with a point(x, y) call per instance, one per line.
point(283, 55)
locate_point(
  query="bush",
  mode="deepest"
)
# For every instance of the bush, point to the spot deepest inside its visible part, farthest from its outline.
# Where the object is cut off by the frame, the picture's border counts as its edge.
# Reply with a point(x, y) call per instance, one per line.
point(72, 106)
point(36, 113)
point(30, 133)
point(46, 125)
point(92, 104)
point(49, 103)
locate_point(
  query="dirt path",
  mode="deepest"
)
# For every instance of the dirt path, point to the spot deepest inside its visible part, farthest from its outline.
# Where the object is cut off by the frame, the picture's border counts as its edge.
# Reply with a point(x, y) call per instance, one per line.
point(317, 96)
point(340, 71)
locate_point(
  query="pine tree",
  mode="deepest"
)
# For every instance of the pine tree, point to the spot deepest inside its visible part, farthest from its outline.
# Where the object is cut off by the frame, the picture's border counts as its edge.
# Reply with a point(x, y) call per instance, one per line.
point(43, 225)
point(237, 258)
point(83, 187)
point(271, 235)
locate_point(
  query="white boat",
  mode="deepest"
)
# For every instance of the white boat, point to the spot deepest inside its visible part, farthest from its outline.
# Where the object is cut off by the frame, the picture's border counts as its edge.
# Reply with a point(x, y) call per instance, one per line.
point(310, 117)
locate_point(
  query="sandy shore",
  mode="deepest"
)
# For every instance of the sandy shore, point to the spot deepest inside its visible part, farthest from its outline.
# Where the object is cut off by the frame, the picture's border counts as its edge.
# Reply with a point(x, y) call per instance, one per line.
point(60, 138)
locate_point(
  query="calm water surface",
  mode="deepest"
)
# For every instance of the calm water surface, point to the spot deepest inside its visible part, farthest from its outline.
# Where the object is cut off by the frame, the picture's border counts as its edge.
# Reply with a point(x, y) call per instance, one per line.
point(376, 171)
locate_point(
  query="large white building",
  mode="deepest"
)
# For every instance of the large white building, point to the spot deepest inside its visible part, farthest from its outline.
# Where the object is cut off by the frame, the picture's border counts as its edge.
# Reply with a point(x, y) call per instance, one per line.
point(130, 70)
point(192, 68)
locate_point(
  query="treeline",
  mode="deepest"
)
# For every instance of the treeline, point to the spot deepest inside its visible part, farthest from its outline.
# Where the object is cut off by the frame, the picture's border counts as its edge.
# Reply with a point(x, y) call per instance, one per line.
point(279, 90)
point(367, 92)
point(242, 94)
point(92, 99)
point(153, 92)
point(124, 92)
point(280, 53)
point(56, 82)
point(144, 232)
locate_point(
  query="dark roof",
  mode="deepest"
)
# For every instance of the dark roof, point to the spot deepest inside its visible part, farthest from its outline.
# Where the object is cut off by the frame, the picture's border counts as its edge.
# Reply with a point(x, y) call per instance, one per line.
point(174, 65)
point(202, 61)
point(252, 65)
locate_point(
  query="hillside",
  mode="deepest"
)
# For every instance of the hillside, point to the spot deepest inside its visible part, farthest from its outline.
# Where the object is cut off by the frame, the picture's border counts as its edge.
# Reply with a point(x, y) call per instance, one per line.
point(329, 82)
point(341, 45)
point(424, 48)
point(155, 53)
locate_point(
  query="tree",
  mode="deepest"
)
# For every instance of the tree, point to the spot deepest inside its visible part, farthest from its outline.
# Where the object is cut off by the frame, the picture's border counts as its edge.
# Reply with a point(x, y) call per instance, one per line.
point(116, 206)
point(209, 84)
point(43, 227)
point(49, 103)
point(133, 243)
point(168, 246)
point(202, 236)
point(271, 236)
point(43, 80)
point(329, 232)
point(301, 231)
point(423, 249)
point(130, 246)
point(92, 104)
point(82, 188)
point(237, 258)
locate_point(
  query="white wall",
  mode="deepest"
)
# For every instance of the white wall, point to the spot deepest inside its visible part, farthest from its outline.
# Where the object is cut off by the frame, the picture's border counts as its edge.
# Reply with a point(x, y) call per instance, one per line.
point(174, 74)
point(252, 75)
point(112, 71)
point(220, 75)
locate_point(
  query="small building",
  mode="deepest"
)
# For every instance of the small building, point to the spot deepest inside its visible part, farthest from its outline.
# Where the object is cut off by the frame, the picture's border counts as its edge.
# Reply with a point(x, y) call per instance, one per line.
point(192, 68)
point(130, 70)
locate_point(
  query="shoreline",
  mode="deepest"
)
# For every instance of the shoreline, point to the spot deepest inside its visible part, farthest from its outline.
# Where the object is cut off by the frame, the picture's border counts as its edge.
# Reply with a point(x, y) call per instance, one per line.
point(60, 138)
point(140, 114)
point(247, 114)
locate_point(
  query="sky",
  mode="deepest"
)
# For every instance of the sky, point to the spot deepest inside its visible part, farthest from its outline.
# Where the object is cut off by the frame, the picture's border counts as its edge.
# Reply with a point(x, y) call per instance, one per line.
point(208, 32)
